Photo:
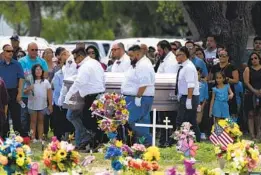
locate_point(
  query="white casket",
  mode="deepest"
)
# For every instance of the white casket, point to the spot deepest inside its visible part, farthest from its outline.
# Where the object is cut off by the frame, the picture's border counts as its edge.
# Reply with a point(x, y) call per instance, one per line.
point(164, 99)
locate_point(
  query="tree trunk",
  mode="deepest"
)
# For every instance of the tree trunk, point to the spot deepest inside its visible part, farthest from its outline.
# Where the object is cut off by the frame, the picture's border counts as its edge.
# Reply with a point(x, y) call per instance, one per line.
point(256, 15)
point(35, 18)
point(229, 21)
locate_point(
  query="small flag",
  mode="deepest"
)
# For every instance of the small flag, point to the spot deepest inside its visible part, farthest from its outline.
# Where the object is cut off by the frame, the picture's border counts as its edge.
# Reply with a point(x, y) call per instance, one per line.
point(220, 137)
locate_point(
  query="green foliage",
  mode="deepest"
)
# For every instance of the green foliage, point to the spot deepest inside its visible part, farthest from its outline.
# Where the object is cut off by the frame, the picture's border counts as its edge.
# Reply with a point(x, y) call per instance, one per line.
point(17, 15)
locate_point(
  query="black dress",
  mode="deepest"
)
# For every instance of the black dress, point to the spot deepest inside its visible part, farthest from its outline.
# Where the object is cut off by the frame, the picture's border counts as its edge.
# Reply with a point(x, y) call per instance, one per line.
point(255, 81)
point(228, 71)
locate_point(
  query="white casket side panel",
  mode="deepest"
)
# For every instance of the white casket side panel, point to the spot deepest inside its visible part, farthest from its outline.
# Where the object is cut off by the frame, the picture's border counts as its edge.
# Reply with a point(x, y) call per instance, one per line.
point(164, 99)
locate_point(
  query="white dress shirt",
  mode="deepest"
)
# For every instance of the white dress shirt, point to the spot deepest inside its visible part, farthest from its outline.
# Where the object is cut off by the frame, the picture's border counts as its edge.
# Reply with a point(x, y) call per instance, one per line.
point(188, 78)
point(141, 75)
point(169, 64)
point(89, 80)
point(121, 65)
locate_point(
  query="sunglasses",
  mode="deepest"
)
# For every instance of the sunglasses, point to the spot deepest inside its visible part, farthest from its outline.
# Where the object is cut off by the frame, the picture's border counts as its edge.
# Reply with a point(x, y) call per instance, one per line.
point(254, 58)
point(34, 50)
point(174, 49)
point(9, 51)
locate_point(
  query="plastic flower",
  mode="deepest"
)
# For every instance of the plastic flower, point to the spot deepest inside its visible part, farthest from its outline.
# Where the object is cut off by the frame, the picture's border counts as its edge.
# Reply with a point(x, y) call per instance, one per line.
point(20, 155)
point(19, 139)
point(139, 147)
point(112, 152)
point(61, 154)
point(116, 165)
point(3, 160)
point(118, 143)
point(152, 154)
point(20, 161)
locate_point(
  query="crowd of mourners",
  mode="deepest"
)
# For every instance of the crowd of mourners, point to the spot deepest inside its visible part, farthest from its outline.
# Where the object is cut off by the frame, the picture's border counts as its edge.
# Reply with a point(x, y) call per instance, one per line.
point(32, 92)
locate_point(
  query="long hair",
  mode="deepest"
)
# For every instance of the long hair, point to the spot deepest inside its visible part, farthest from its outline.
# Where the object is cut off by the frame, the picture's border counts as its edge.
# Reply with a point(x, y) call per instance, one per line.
point(224, 77)
point(249, 63)
point(33, 72)
point(96, 52)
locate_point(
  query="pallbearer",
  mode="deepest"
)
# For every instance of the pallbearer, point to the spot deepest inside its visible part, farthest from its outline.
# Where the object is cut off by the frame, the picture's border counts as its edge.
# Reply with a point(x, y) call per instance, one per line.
point(138, 87)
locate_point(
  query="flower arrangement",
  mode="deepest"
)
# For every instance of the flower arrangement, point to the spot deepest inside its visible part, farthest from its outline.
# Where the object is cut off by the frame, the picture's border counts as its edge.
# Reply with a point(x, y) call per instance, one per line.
point(147, 162)
point(230, 127)
point(243, 156)
point(185, 137)
point(60, 156)
point(112, 110)
point(15, 156)
point(220, 151)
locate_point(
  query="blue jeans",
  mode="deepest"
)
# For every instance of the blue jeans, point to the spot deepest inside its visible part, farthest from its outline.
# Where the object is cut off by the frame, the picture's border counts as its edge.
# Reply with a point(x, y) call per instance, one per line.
point(25, 119)
point(81, 133)
point(140, 115)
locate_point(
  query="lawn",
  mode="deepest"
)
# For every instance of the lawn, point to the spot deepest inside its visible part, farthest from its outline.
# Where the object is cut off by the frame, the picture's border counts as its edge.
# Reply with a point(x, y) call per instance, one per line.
point(169, 157)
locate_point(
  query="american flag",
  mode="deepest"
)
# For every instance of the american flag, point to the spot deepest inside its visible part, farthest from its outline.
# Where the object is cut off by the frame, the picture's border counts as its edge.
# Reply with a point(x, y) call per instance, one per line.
point(220, 137)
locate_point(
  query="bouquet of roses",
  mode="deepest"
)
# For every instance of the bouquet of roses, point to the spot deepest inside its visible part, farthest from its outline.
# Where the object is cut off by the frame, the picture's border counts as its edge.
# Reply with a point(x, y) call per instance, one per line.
point(243, 156)
point(15, 156)
point(112, 111)
point(60, 156)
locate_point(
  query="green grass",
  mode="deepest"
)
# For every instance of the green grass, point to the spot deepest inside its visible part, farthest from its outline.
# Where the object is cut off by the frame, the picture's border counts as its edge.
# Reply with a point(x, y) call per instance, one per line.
point(169, 157)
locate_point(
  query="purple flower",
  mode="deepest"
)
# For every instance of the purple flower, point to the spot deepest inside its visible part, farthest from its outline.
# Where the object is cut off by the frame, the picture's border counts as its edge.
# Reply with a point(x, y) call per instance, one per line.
point(127, 149)
point(189, 167)
point(171, 171)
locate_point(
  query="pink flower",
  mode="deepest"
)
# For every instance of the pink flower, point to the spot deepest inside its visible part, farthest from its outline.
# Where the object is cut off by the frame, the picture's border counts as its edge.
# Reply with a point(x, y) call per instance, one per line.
point(54, 139)
point(139, 147)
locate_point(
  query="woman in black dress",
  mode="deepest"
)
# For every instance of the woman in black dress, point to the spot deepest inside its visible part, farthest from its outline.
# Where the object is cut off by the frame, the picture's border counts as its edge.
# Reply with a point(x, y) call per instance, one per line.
point(252, 80)
point(232, 77)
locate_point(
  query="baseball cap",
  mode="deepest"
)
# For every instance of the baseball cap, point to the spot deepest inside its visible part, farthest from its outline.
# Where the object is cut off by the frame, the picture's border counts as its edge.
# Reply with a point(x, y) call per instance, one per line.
point(15, 37)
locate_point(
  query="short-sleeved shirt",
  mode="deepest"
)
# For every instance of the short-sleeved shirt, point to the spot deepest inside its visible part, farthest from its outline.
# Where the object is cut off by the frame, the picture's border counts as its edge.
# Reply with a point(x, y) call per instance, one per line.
point(27, 63)
point(141, 75)
point(11, 73)
point(38, 100)
point(203, 91)
point(201, 64)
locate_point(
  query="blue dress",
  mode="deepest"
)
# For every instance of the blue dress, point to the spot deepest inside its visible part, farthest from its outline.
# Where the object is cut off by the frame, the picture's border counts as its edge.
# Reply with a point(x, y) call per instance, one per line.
point(220, 106)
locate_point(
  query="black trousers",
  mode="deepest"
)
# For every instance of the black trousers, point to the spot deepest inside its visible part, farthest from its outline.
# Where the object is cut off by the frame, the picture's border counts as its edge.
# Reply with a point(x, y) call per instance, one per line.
point(90, 122)
point(188, 115)
point(60, 122)
point(14, 111)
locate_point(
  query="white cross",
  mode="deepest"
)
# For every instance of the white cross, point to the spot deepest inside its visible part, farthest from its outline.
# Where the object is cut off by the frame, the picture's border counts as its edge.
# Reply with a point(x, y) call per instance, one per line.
point(154, 126)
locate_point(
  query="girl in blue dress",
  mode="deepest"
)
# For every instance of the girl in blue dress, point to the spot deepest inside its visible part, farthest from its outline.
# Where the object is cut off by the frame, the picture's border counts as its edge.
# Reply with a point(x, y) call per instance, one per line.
point(221, 93)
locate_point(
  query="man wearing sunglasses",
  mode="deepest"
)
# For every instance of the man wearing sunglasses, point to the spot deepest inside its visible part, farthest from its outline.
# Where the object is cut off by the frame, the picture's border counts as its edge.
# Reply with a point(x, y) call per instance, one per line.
point(13, 76)
point(27, 63)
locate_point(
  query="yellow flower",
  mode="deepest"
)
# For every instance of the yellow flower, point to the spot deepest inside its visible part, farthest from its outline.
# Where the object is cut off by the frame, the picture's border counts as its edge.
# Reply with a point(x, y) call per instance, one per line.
point(19, 150)
point(47, 154)
point(217, 150)
point(152, 154)
point(118, 143)
point(28, 160)
point(60, 155)
point(19, 139)
point(124, 111)
point(20, 161)
point(123, 102)
point(20, 155)
point(75, 154)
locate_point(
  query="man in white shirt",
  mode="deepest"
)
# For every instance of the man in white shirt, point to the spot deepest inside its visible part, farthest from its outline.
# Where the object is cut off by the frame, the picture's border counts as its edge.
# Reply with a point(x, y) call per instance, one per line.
point(167, 62)
point(187, 89)
point(211, 51)
point(89, 82)
point(138, 87)
point(122, 60)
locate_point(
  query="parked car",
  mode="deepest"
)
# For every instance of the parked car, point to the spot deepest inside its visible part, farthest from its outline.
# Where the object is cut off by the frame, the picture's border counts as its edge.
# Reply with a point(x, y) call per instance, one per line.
point(24, 41)
point(102, 45)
